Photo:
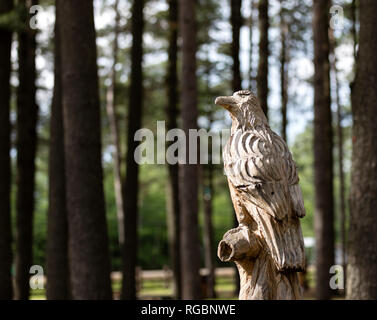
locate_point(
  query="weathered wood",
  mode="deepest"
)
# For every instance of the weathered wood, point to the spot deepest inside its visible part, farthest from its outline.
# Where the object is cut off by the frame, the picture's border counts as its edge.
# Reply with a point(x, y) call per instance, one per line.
point(267, 246)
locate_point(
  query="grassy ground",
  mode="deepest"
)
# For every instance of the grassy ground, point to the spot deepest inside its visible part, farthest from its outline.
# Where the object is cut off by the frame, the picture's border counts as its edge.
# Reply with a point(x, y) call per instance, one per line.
point(159, 289)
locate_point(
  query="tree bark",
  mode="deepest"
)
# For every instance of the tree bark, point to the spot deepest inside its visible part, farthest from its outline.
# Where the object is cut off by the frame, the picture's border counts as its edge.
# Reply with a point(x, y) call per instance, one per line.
point(353, 29)
point(6, 292)
point(236, 22)
point(362, 251)
point(188, 173)
point(88, 242)
point(339, 134)
point(131, 186)
point(114, 129)
point(323, 148)
point(57, 227)
point(262, 76)
point(27, 113)
point(173, 182)
point(251, 35)
point(283, 72)
point(207, 177)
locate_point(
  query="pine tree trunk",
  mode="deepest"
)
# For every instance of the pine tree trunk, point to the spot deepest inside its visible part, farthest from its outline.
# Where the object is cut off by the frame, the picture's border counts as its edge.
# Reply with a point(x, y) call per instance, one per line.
point(362, 249)
point(262, 76)
point(236, 22)
point(207, 177)
point(188, 173)
point(114, 129)
point(6, 291)
point(339, 134)
point(57, 227)
point(283, 73)
point(27, 113)
point(353, 28)
point(131, 186)
point(251, 47)
point(88, 242)
point(323, 148)
point(171, 115)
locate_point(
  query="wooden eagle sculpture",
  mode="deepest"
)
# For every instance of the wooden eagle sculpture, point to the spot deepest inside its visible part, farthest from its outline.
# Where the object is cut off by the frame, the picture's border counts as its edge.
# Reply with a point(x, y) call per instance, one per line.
point(267, 246)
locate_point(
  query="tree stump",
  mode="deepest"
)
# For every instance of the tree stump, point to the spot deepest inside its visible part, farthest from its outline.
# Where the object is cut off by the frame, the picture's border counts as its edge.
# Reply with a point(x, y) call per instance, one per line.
point(267, 246)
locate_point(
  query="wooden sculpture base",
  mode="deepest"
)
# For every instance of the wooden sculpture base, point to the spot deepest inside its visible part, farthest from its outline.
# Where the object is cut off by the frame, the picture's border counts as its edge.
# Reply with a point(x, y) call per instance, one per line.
point(259, 277)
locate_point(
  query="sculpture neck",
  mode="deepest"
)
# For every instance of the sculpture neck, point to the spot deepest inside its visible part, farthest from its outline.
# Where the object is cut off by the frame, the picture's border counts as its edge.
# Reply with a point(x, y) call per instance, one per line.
point(248, 121)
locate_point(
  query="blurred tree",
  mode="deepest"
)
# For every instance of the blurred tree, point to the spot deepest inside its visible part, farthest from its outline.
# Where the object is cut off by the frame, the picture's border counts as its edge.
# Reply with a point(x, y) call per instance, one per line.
point(209, 15)
point(208, 193)
point(323, 149)
point(27, 114)
point(188, 175)
point(340, 147)
point(262, 76)
point(293, 28)
point(353, 28)
point(236, 23)
point(57, 227)
point(173, 181)
point(206, 177)
point(251, 77)
point(88, 243)
point(114, 128)
point(284, 54)
point(6, 292)
point(131, 183)
point(362, 249)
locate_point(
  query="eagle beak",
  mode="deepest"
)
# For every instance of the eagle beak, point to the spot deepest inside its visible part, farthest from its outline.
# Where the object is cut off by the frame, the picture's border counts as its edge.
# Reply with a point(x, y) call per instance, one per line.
point(228, 103)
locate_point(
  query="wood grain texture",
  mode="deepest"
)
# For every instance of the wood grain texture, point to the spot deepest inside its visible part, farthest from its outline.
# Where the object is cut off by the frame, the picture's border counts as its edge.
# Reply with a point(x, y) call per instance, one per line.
point(267, 246)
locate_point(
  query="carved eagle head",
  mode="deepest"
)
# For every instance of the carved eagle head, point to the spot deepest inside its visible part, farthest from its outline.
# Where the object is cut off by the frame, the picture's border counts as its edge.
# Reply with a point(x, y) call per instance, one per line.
point(244, 109)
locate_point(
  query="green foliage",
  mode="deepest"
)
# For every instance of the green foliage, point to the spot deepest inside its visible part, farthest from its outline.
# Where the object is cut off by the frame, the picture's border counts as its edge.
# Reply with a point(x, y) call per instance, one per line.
point(302, 152)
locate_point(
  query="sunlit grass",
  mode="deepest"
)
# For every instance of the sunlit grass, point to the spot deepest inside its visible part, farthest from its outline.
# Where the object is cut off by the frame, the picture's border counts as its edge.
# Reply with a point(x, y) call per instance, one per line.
point(156, 289)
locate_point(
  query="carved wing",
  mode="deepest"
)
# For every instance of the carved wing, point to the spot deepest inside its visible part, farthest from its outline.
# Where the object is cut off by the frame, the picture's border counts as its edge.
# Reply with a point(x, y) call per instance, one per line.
point(259, 164)
point(260, 167)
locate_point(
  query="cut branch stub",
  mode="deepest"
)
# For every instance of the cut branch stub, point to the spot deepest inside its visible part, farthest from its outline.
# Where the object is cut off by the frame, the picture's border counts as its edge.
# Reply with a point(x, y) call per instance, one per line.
point(237, 244)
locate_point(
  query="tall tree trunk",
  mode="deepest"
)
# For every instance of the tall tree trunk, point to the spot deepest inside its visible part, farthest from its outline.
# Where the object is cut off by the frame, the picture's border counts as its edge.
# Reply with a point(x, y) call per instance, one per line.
point(362, 249)
point(5, 172)
point(131, 186)
point(207, 177)
point(27, 113)
point(57, 227)
point(236, 22)
point(251, 47)
point(173, 182)
point(323, 148)
point(88, 242)
point(353, 28)
point(262, 76)
point(339, 134)
point(283, 72)
point(113, 121)
point(188, 173)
